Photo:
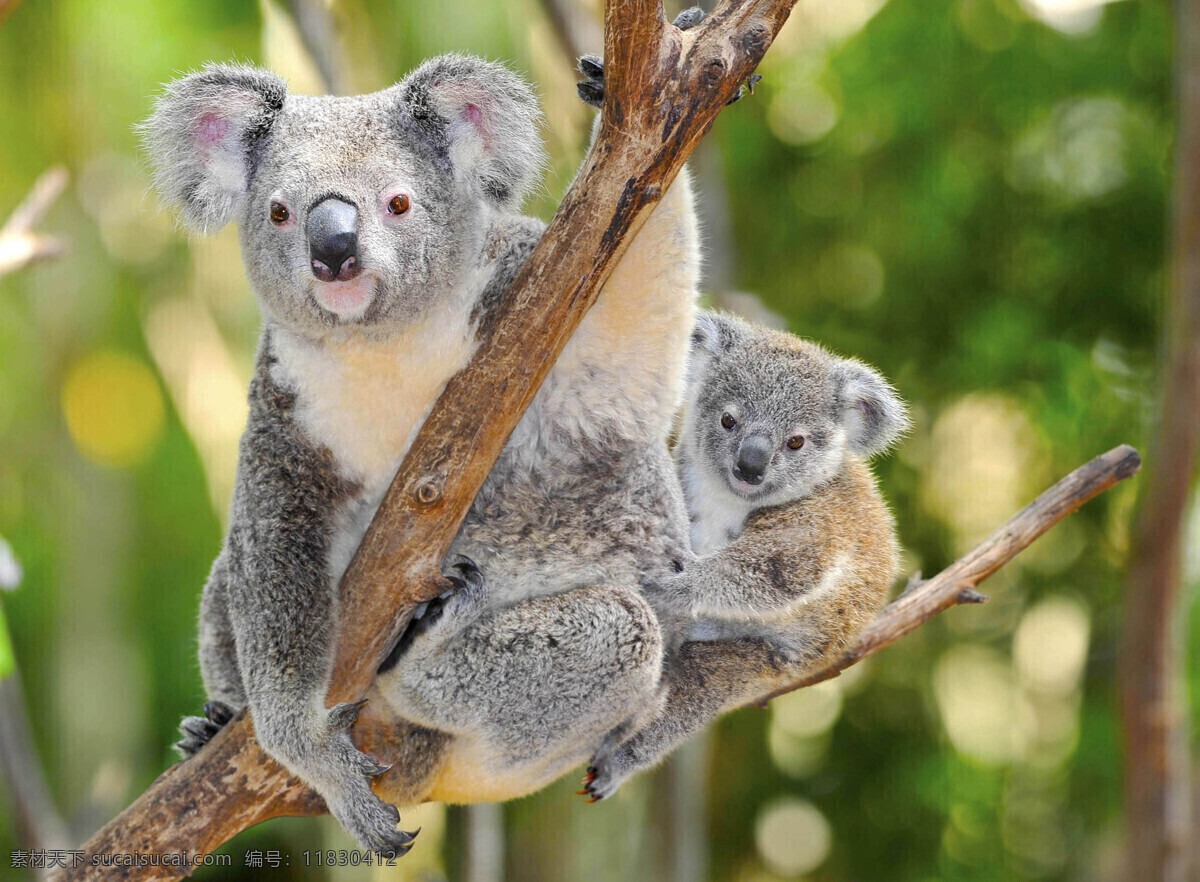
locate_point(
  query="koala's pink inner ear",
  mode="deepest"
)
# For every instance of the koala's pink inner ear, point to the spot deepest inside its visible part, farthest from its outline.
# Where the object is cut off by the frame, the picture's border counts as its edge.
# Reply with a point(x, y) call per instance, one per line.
point(473, 114)
point(211, 131)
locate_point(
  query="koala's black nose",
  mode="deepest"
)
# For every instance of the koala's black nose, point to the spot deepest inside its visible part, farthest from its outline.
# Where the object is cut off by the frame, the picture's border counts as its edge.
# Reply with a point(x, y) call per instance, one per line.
point(333, 240)
point(753, 457)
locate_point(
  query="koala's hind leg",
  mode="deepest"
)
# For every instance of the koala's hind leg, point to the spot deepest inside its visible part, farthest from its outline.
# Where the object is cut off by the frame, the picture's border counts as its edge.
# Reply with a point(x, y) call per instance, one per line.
point(702, 681)
point(218, 663)
point(539, 682)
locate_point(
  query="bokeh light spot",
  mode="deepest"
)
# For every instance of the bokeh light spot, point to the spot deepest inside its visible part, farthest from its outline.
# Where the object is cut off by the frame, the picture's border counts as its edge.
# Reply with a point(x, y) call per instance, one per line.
point(792, 836)
point(113, 408)
point(802, 114)
point(1050, 646)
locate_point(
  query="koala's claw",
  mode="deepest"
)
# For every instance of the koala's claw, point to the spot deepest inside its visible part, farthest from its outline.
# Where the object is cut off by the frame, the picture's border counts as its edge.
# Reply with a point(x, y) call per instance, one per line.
point(345, 715)
point(372, 822)
point(466, 574)
point(749, 85)
point(218, 712)
point(603, 777)
point(198, 731)
point(591, 66)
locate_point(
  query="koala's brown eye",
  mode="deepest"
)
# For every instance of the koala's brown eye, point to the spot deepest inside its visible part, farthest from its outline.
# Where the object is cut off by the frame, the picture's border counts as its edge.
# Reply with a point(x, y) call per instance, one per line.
point(727, 421)
point(795, 442)
point(279, 213)
point(399, 204)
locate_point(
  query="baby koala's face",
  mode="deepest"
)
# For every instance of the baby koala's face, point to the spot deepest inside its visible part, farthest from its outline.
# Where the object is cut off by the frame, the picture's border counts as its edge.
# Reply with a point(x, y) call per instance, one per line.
point(771, 417)
point(764, 425)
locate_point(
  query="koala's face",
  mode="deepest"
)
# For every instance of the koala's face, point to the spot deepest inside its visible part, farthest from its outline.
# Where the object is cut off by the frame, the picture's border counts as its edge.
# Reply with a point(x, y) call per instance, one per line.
point(356, 211)
point(345, 222)
point(771, 417)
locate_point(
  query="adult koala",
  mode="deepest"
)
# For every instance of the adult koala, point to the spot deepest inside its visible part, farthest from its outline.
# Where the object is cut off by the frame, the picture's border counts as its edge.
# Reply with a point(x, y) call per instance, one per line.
point(379, 232)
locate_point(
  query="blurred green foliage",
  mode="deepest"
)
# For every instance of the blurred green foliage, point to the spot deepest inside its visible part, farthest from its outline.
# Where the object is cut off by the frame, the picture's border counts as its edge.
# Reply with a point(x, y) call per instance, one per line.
point(967, 196)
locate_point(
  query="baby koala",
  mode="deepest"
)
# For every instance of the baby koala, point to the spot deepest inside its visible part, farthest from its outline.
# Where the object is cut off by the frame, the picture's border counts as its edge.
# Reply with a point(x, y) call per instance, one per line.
point(797, 549)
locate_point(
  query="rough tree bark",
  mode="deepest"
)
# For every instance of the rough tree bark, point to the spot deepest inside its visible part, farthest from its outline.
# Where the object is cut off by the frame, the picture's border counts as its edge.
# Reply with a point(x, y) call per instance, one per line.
point(664, 88)
point(1153, 687)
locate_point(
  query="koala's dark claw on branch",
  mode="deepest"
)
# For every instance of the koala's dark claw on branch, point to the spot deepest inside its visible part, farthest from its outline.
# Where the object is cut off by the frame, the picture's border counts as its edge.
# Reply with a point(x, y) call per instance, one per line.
point(468, 574)
point(198, 731)
point(218, 712)
point(591, 66)
point(753, 81)
point(400, 843)
point(343, 716)
point(590, 94)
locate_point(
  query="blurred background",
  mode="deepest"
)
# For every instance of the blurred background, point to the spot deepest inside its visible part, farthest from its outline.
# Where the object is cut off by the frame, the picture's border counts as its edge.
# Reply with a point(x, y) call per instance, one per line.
point(973, 195)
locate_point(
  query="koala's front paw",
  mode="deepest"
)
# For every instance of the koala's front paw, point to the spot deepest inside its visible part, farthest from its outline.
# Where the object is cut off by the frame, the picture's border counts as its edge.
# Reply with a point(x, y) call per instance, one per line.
point(198, 731)
point(676, 594)
point(458, 604)
point(604, 776)
point(447, 614)
point(343, 776)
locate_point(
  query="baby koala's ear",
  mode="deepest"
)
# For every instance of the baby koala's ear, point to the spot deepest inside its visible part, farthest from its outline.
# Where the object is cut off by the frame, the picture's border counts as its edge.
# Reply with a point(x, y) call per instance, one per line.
point(873, 414)
point(202, 137)
point(487, 119)
point(712, 335)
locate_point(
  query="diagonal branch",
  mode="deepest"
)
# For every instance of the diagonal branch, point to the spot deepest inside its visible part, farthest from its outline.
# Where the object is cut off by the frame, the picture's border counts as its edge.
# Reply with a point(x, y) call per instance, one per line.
point(664, 89)
point(924, 599)
point(19, 244)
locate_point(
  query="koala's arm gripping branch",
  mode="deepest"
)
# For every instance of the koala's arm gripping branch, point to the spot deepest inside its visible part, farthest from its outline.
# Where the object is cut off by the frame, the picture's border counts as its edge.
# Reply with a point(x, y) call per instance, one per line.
point(664, 89)
point(956, 584)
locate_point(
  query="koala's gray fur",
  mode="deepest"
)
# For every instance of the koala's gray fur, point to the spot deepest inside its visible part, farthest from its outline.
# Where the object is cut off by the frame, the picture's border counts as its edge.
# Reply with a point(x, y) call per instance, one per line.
point(519, 680)
point(792, 568)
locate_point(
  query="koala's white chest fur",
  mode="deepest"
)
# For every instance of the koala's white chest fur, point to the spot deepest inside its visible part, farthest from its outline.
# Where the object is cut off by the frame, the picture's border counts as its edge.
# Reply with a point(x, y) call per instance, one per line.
point(717, 516)
point(364, 399)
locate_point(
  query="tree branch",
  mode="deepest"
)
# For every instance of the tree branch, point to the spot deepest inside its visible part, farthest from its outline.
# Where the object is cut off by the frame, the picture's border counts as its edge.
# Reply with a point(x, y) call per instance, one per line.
point(924, 599)
point(19, 244)
point(664, 89)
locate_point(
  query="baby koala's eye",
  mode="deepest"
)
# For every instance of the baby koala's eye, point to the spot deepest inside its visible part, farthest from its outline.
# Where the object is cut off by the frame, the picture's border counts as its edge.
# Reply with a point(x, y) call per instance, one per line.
point(727, 421)
point(279, 213)
point(399, 204)
point(795, 442)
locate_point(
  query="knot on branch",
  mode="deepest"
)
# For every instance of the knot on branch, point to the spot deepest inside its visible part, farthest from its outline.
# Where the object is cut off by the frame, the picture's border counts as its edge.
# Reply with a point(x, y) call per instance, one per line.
point(714, 72)
point(756, 39)
point(429, 491)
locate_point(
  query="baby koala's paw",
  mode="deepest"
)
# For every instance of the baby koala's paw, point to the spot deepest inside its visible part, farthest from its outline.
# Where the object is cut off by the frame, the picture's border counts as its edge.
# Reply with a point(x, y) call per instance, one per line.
point(198, 731)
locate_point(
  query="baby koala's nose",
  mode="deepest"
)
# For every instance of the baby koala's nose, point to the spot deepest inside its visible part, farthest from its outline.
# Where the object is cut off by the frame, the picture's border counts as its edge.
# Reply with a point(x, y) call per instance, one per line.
point(753, 457)
point(333, 240)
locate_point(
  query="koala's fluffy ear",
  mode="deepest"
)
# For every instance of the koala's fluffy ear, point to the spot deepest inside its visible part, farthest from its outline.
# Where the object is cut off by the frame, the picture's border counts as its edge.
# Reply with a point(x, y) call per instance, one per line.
point(712, 335)
point(485, 117)
point(202, 137)
point(872, 412)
